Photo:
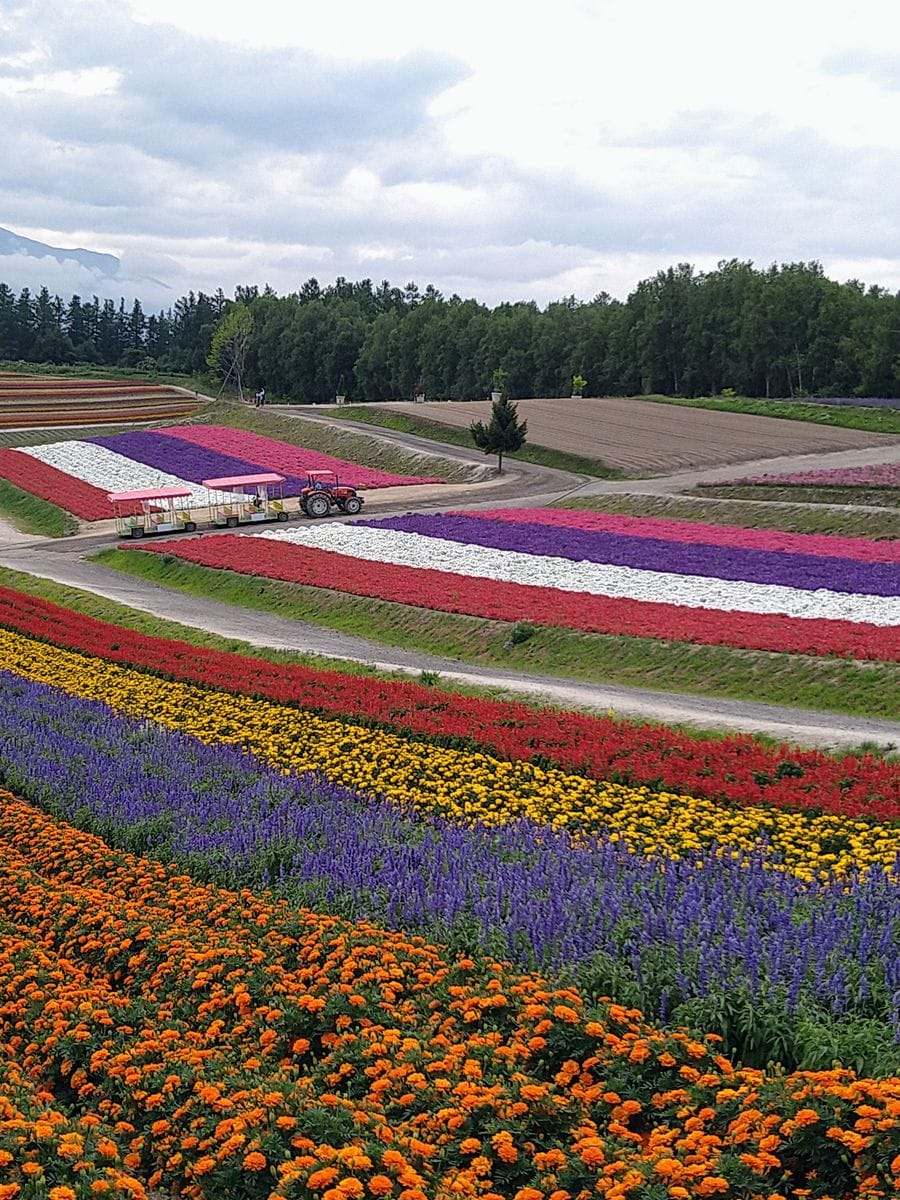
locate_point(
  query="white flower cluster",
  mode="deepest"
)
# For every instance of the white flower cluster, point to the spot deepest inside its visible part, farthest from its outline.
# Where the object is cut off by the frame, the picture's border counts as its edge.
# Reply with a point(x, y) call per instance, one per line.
point(599, 579)
point(111, 472)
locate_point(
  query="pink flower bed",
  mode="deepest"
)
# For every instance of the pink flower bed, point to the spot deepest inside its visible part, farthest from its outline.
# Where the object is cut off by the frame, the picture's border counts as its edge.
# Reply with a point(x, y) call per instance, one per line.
point(271, 455)
point(882, 475)
point(697, 533)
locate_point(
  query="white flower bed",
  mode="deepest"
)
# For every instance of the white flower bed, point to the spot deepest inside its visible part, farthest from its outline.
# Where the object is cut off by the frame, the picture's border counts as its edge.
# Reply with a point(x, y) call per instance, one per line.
point(661, 587)
point(111, 472)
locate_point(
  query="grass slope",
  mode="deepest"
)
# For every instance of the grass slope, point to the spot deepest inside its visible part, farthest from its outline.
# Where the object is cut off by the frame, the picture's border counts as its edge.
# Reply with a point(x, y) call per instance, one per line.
point(825, 684)
point(789, 518)
point(872, 420)
point(31, 514)
point(795, 493)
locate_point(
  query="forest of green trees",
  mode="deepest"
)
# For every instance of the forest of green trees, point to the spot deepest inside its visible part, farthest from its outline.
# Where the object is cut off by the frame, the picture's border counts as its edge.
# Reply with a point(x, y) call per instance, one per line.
point(783, 331)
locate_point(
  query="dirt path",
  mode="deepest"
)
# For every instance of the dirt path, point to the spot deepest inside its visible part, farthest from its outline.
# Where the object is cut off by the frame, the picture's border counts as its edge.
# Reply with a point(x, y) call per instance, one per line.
point(62, 563)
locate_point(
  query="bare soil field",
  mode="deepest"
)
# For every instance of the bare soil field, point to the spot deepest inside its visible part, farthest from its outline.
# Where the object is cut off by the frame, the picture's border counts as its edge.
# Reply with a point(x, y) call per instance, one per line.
point(644, 438)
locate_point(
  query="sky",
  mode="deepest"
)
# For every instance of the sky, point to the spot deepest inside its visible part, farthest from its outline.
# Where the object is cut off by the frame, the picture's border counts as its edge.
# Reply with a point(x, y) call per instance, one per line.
point(499, 149)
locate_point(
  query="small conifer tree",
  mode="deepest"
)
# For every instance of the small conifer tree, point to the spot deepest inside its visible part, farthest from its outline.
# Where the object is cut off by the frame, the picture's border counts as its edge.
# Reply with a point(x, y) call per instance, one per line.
point(503, 434)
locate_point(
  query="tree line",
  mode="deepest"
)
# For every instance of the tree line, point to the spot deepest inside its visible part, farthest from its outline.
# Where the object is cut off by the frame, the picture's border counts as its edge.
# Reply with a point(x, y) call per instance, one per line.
point(783, 331)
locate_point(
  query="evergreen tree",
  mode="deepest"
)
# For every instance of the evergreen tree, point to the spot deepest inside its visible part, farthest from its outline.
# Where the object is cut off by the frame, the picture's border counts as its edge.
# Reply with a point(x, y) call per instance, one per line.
point(503, 434)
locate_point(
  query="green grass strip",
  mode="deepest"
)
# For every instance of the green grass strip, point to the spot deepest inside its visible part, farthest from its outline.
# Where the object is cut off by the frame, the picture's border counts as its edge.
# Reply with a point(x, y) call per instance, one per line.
point(792, 518)
point(31, 514)
point(542, 456)
point(795, 493)
point(823, 684)
point(846, 416)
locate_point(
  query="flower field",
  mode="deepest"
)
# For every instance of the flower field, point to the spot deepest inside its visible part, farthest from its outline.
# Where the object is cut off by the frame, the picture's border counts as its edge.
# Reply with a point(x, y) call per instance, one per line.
point(275, 932)
point(598, 573)
point(78, 475)
point(732, 770)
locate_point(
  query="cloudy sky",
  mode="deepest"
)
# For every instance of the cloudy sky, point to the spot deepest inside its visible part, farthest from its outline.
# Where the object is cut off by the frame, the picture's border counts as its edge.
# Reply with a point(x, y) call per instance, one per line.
point(502, 149)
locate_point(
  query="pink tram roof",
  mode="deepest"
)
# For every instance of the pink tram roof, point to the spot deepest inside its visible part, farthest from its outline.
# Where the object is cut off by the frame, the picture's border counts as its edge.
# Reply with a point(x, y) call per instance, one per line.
point(232, 481)
point(166, 493)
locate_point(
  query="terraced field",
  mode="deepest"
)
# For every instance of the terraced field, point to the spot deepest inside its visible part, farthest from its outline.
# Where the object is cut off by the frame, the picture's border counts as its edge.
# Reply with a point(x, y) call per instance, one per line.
point(37, 402)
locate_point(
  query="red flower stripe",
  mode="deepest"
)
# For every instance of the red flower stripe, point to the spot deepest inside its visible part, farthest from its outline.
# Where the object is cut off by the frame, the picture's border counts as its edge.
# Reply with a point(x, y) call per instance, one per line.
point(695, 532)
point(36, 477)
point(501, 601)
point(735, 769)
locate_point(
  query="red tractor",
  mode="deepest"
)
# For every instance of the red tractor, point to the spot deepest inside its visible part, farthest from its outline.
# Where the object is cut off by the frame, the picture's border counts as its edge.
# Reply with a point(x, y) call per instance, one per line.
point(323, 494)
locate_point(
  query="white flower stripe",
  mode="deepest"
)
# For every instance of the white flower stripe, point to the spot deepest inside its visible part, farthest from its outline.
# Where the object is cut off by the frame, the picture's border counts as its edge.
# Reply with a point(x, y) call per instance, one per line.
point(111, 472)
point(512, 566)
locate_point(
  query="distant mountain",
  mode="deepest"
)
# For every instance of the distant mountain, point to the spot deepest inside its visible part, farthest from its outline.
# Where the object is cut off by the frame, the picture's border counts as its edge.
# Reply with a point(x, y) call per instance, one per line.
point(13, 243)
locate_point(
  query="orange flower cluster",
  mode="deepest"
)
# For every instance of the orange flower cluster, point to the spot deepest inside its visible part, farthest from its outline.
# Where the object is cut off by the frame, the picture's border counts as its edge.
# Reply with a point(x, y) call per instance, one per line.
point(219, 1044)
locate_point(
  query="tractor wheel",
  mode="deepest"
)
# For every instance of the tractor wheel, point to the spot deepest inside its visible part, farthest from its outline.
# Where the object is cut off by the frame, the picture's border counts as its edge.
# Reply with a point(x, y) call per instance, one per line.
point(232, 522)
point(137, 532)
point(318, 505)
point(353, 505)
point(283, 516)
point(190, 527)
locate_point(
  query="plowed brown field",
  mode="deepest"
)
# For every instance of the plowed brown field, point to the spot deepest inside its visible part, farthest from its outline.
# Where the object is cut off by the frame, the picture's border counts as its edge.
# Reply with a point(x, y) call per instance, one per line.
point(644, 438)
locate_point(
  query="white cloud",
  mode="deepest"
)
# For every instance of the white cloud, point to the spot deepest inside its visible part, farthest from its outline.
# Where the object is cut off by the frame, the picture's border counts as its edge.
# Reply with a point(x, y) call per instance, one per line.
point(503, 150)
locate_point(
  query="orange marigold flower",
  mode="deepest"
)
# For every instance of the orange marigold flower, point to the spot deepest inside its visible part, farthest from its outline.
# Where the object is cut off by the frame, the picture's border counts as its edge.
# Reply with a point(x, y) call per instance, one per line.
point(380, 1185)
point(323, 1177)
point(710, 1185)
point(254, 1161)
point(32, 1168)
point(203, 1165)
point(807, 1116)
point(62, 1193)
point(528, 1193)
point(469, 1146)
point(667, 1167)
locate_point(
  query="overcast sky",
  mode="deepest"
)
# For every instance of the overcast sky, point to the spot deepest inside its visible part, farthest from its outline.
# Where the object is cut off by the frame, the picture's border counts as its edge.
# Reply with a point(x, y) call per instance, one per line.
point(501, 149)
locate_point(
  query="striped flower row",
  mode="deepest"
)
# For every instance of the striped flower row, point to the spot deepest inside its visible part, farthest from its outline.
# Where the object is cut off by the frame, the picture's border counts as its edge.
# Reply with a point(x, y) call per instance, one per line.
point(441, 591)
point(808, 572)
point(108, 471)
point(699, 533)
point(387, 544)
point(462, 785)
point(534, 895)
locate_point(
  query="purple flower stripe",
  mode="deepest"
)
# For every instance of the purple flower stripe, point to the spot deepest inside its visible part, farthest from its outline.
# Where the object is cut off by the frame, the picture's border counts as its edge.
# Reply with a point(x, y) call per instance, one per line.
point(185, 459)
point(805, 571)
point(667, 930)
